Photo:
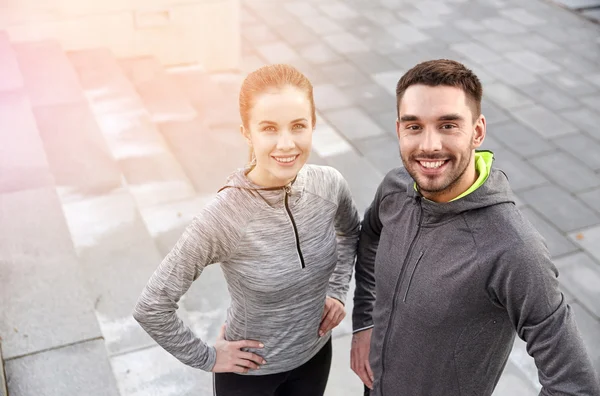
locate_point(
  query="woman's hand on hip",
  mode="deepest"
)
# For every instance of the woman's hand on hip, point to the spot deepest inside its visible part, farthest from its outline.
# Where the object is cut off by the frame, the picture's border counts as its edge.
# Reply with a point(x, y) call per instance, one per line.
point(230, 357)
point(333, 314)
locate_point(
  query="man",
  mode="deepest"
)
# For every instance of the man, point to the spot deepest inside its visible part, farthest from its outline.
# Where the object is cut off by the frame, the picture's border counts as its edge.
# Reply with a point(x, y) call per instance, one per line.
point(455, 267)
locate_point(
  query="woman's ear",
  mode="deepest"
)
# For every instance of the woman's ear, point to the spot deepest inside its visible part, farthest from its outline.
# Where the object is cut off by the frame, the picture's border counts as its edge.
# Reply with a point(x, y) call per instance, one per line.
point(246, 134)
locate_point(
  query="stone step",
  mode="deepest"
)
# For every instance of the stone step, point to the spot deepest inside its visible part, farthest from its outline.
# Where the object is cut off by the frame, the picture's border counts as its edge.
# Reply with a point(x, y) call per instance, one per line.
point(77, 153)
point(158, 90)
point(23, 162)
point(47, 74)
point(80, 369)
point(10, 77)
point(152, 173)
point(208, 154)
point(48, 304)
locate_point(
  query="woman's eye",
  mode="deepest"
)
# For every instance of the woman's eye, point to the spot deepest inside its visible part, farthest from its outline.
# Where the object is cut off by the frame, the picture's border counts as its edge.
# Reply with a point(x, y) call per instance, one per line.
point(299, 126)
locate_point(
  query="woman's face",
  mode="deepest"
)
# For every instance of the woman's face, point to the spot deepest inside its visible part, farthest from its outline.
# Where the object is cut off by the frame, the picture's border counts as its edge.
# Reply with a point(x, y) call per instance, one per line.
point(280, 133)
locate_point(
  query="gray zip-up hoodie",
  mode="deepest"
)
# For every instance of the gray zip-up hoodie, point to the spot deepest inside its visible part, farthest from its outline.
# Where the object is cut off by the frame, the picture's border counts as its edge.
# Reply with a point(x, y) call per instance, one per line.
point(453, 282)
point(282, 251)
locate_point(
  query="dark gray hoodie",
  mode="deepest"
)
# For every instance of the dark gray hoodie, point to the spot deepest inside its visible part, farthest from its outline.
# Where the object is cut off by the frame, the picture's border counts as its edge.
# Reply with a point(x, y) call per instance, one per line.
point(282, 251)
point(453, 282)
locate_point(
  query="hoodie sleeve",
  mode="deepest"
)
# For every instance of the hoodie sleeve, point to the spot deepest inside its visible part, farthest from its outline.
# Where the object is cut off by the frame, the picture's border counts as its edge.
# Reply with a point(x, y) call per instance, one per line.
point(364, 294)
point(347, 226)
point(525, 283)
point(210, 238)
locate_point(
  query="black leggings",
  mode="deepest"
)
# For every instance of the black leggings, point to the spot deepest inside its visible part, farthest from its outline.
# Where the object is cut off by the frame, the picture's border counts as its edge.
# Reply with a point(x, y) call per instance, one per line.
point(310, 379)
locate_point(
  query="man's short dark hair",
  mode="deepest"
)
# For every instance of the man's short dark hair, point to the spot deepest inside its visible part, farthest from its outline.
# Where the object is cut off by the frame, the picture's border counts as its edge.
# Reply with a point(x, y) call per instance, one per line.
point(443, 72)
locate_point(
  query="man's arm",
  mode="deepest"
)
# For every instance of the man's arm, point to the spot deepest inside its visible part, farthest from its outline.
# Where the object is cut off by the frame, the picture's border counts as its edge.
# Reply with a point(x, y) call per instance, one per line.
point(525, 283)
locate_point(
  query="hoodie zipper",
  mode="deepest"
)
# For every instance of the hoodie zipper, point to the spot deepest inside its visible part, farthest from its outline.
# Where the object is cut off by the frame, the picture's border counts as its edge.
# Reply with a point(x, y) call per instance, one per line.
point(289, 212)
point(395, 298)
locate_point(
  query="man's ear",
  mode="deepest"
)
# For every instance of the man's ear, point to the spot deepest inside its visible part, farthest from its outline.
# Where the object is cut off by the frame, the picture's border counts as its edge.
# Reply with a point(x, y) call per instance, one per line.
point(480, 131)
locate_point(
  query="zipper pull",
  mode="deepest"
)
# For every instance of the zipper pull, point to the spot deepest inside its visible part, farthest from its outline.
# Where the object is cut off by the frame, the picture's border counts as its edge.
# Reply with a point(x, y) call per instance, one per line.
point(287, 189)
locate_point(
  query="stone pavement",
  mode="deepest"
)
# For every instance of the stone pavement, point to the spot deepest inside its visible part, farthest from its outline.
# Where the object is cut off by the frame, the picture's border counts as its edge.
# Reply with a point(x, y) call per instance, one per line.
point(108, 160)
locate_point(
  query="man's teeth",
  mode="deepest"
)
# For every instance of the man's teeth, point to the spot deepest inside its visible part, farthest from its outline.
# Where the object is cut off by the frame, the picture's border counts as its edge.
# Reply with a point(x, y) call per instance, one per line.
point(431, 165)
point(286, 159)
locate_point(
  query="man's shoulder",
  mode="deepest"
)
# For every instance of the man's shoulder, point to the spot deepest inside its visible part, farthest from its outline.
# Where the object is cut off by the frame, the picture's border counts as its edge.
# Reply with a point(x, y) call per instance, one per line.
point(397, 180)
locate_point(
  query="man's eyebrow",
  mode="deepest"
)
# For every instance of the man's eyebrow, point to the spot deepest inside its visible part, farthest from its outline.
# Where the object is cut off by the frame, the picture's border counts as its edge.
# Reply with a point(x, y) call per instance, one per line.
point(408, 117)
point(451, 117)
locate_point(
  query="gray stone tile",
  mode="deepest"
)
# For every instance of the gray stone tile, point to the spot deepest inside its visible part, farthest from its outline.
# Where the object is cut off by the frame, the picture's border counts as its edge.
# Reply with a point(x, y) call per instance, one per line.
point(338, 10)
point(506, 97)
point(259, 34)
point(383, 152)
point(589, 327)
point(594, 79)
point(582, 147)
point(544, 122)
point(382, 16)
point(522, 16)
point(566, 171)
point(22, 158)
point(573, 63)
point(301, 9)
point(56, 82)
point(548, 96)
point(344, 74)
point(381, 41)
point(322, 25)
point(587, 48)
point(593, 14)
point(498, 42)
point(520, 139)
point(533, 62)
point(521, 174)
point(510, 73)
point(111, 239)
point(558, 244)
point(277, 52)
point(345, 43)
point(155, 370)
point(198, 148)
point(407, 35)
point(407, 59)
point(77, 153)
point(538, 43)
point(580, 275)
point(570, 83)
point(251, 63)
point(362, 177)
point(319, 53)
point(503, 25)
point(476, 52)
point(353, 123)
point(314, 73)
point(560, 208)
point(591, 198)
point(593, 102)
point(446, 35)
point(525, 365)
point(589, 240)
point(52, 308)
point(574, 4)
point(329, 96)
point(299, 35)
point(470, 24)
point(387, 121)
point(372, 63)
point(492, 143)
point(81, 369)
point(371, 97)
point(388, 80)
point(564, 34)
point(584, 118)
point(342, 380)
point(493, 114)
point(11, 77)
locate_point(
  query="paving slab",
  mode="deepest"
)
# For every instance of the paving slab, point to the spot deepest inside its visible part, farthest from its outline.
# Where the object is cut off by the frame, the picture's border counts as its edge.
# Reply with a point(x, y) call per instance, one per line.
point(558, 244)
point(589, 240)
point(54, 83)
point(589, 327)
point(371, 97)
point(299, 35)
point(207, 155)
point(330, 96)
point(382, 152)
point(160, 95)
point(521, 174)
point(549, 96)
point(117, 256)
point(77, 153)
point(353, 123)
point(520, 139)
point(45, 299)
point(580, 274)
point(567, 171)
point(80, 369)
point(342, 380)
point(591, 198)
point(22, 158)
point(11, 77)
point(582, 147)
point(544, 122)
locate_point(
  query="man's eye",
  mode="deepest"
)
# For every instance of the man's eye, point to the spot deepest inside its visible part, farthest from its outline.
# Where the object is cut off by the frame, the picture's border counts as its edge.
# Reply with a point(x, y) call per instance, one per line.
point(413, 127)
point(448, 126)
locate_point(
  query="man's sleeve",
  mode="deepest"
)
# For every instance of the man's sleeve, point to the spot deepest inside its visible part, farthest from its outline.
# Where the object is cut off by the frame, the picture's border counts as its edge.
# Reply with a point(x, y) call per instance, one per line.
point(525, 283)
point(364, 293)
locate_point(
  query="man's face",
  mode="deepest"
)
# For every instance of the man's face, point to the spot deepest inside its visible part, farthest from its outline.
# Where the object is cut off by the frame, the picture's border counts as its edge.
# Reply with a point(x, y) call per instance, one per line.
point(438, 136)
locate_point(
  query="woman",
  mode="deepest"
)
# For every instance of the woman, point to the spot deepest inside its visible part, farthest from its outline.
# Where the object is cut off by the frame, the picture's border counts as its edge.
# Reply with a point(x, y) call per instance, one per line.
point(285, 234)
